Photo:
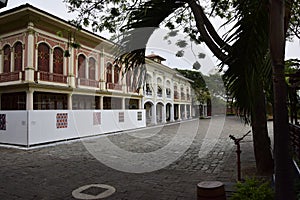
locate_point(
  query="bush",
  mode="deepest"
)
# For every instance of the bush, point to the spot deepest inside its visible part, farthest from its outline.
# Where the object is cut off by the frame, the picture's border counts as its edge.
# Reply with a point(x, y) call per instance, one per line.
point(253, 189)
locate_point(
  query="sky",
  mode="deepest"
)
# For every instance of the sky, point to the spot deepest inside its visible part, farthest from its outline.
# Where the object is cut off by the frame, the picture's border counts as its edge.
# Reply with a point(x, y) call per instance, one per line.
point(59, 9)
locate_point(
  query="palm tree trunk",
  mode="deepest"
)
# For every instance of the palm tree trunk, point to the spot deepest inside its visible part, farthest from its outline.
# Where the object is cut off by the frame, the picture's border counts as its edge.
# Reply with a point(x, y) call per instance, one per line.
point(261, 140)
point(283, 163)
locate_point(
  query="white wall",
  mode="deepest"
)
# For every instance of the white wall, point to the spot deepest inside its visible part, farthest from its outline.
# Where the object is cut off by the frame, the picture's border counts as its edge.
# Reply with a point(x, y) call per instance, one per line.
point(79, 123)
point(16, 128)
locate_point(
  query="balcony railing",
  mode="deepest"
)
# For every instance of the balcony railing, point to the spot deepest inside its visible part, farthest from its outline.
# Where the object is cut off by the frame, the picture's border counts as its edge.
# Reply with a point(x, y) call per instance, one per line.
point(149, 93)
point(87, 82)
point(113, 86)
point(51, 77)
point(131, 89)
point(11, 76)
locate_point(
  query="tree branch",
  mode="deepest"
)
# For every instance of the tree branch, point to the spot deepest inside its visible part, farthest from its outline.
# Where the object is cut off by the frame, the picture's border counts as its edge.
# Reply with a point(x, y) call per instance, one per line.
point(197, 10)
point(213, 33)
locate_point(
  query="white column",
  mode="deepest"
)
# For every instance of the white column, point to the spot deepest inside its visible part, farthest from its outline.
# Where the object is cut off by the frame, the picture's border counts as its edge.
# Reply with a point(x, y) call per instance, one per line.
point(29, 100)
point(154, 92)
point(51, 61)
point(140, 104)
point(123, 103)
point(164, 94)
point(153, 119)
point(12, 60)
point(164, 114)
point(102, 71)
point(179, 111)
point(65, 66)
point(87, 68)
point(97, 67)
point(113, 74)
point(71, 75)
point(185, 112)
point(29, 69)
point(191, 116)
point(70, 103)
point(101, 103)
point(1, 61)
point(172, 113)
point(23, 57)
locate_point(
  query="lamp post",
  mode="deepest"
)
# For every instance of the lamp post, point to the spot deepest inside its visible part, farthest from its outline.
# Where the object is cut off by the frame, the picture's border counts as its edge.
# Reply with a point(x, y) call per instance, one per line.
point(3, 3)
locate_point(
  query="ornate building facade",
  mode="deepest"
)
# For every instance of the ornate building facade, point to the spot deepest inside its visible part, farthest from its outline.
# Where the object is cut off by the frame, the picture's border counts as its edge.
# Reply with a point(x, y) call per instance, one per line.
point(42, 69)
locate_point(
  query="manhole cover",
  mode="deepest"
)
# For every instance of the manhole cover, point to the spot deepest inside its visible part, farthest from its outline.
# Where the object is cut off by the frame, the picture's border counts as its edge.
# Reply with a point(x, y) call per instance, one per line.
point(93, 191)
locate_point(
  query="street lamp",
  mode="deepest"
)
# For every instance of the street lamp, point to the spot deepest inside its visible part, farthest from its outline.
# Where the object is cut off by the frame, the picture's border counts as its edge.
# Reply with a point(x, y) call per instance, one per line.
point(3, 3)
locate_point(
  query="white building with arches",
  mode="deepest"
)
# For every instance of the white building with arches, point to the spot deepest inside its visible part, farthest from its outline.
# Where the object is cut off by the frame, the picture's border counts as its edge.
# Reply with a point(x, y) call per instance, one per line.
point(167, 94)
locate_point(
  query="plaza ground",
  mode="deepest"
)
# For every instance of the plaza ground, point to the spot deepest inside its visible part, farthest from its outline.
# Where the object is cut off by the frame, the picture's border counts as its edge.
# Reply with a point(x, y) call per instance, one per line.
point(56, 170)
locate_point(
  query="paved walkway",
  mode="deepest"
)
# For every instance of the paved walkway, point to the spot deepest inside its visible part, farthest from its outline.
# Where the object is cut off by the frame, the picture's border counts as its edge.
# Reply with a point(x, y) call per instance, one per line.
point(57, 170)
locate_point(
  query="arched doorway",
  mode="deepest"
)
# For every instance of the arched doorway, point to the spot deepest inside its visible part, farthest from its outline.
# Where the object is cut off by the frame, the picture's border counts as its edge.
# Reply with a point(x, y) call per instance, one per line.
point(159, 112)
point(168, 112)
point(148, 106)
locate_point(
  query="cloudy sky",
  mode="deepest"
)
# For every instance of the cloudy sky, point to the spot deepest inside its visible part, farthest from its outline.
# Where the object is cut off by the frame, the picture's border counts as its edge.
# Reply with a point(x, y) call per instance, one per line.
point(58, 8)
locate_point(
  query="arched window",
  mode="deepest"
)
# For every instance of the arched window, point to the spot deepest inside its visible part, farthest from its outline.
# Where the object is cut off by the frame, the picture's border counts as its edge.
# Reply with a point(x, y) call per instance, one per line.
point(18, 56)
point(182, 94)
point(116, 73)
point(159, 87)
point(176, 95)
point(43, 57)
point(81, 66)
point(168, 89)
point(187, 94)
point(109, 72)
point(58, 61)
point(7, 55)
point(92, 68)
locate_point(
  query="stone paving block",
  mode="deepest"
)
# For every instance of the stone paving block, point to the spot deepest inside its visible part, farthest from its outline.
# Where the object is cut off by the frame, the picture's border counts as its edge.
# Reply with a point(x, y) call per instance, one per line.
point(53, 172)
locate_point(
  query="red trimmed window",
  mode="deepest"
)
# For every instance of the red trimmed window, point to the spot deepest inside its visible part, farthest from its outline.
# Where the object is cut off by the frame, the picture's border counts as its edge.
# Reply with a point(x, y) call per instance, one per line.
point(7, 55)
point(81, 66)
point(92, 68)
point(109, 73)
point(116, 73)
point(43, 57)
point(18, 56)
point(58, 60)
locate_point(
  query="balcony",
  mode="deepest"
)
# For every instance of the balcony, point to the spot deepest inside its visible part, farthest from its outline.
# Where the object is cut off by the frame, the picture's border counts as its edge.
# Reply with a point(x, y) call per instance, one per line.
point(51, 77)
point(11, 76)
point(113, 86)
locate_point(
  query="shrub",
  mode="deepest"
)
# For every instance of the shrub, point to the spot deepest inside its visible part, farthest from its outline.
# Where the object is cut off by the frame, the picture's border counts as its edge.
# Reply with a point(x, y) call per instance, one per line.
point(253, 189)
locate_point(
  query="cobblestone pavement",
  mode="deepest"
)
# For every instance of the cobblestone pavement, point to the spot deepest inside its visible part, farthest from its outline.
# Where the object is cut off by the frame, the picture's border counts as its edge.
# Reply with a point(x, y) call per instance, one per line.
point(54, 171)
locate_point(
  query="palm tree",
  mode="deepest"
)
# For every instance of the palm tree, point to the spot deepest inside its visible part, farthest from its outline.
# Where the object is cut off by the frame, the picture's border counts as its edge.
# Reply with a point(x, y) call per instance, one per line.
point(248, 73)
point(283, 170)
point(245, 58)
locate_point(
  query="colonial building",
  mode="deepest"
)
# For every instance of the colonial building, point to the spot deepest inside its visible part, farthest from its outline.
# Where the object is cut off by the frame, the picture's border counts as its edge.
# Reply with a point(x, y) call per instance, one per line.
point(42, 68)
point(167, 94)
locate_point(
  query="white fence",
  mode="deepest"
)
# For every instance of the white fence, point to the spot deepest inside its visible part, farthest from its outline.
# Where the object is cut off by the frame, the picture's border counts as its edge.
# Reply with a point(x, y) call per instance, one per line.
point(27, 128)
